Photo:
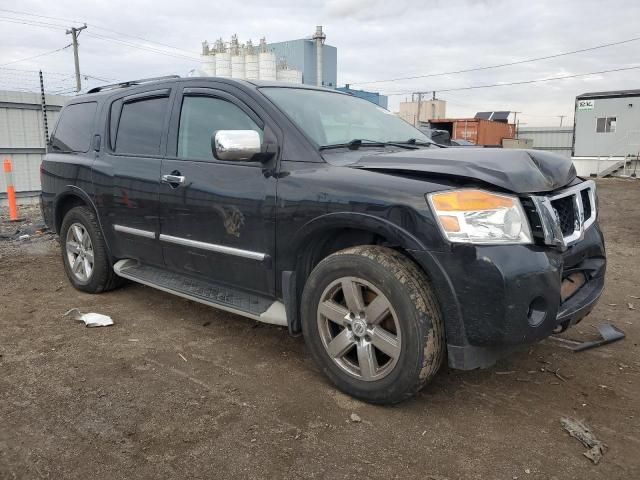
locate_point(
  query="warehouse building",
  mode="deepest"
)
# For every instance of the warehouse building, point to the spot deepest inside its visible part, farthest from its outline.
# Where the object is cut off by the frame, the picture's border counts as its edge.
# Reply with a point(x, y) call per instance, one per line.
point(551, 139)
point(22, 138)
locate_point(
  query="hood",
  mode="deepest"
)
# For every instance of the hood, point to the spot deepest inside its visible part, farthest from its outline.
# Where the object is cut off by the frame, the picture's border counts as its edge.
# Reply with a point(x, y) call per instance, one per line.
point(519, 171)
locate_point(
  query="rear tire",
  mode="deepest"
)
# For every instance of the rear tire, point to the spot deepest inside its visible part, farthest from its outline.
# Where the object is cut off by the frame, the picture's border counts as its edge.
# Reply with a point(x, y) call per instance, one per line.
point(84, 253)
point(371, 322)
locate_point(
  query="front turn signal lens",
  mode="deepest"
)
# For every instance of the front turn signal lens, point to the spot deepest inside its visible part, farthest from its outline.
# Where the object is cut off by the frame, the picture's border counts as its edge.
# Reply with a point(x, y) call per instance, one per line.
point(481, 217)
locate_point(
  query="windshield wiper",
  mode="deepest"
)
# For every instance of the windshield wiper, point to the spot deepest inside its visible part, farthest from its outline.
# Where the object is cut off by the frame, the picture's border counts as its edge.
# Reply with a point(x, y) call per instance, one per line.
point(413, 141)
point(356, 143)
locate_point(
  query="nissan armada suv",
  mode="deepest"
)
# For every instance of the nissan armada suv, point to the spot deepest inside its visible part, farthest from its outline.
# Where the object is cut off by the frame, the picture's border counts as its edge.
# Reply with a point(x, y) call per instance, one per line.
point(315, 210)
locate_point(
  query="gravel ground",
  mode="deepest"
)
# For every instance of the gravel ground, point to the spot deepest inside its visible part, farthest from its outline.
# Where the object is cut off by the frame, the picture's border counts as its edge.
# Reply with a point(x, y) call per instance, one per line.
point(178, 390)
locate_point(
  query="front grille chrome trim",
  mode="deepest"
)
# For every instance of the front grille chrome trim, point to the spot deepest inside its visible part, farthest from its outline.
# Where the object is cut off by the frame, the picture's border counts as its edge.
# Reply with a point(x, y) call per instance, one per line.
point(550, 222)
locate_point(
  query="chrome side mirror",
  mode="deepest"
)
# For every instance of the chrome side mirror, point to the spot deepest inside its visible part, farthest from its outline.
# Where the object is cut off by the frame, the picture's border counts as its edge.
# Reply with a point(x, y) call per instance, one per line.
point(235, 145)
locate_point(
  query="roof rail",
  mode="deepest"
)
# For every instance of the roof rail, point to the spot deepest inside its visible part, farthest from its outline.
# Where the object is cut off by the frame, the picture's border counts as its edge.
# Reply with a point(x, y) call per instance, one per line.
point(129, 83)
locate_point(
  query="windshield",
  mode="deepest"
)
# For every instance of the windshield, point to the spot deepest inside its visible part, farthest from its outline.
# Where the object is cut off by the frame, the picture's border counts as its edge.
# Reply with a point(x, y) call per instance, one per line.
point(331, 118)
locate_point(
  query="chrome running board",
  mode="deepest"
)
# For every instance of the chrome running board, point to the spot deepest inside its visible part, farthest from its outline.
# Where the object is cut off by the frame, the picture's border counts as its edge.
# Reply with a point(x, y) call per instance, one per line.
point(232, 300)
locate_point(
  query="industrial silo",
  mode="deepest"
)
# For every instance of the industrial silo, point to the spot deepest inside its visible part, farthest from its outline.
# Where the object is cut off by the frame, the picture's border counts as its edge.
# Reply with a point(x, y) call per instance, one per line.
point(208, 65)
point(237, 59)
point(207, 61)
point(266, 62)
point(223, 60)
point(251, 66)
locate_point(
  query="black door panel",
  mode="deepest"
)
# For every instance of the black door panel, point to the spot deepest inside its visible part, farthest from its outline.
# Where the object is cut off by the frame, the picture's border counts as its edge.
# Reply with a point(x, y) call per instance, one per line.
point(218, 222)
point(127, 175)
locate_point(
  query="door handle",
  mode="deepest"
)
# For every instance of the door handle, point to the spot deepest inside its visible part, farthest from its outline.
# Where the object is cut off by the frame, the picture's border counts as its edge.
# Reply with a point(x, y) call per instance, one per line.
point(173, 180)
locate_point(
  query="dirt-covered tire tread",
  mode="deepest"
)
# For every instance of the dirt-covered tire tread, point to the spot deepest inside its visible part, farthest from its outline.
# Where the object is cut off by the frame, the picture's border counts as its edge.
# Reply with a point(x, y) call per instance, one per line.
point(417, 285)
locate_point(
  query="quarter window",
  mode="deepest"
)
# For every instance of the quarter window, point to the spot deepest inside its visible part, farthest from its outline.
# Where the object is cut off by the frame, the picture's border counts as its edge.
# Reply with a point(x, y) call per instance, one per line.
point(200, 117)
point(141, 125)
point(606, 125)
point(75, 128)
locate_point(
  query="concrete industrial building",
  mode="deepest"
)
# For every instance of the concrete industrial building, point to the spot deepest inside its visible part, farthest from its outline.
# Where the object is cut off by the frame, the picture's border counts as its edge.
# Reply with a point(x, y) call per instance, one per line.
point(22, 138)
point(422, 112)
point(374, 97)
point(307, 60)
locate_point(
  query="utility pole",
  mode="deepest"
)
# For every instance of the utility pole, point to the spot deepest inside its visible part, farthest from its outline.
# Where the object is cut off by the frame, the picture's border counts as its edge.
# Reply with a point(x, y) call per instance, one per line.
point(515, 121)
point(561, 118)
point(75, 33)
point(419, 106)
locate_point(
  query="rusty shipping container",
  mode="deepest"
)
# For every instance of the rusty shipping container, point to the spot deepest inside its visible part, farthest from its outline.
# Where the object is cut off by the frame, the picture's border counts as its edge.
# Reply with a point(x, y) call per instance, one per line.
point(478, 131)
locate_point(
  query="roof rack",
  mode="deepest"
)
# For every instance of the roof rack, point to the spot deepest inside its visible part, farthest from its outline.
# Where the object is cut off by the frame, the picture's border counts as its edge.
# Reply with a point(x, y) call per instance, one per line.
point(129, 83)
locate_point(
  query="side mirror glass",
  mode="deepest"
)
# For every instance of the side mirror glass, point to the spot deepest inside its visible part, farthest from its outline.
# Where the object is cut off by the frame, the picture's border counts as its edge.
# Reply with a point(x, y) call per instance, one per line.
point(235, 145)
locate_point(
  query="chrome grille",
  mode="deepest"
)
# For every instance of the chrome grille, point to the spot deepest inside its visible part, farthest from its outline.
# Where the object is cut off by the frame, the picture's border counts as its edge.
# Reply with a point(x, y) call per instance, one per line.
point(566, 214)
point(564, 209)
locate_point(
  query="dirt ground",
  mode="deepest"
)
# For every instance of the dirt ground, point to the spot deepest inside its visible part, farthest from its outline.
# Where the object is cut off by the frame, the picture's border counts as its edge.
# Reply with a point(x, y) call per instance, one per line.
point(178, 390)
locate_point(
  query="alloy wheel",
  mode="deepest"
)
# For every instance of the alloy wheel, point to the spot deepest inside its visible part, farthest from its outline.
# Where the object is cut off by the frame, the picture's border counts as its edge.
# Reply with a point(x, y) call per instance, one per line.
point(359, 328)
point(79, 252)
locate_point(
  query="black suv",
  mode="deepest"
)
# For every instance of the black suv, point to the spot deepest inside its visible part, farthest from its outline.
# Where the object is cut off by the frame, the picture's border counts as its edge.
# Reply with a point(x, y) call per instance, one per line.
point(319, 211)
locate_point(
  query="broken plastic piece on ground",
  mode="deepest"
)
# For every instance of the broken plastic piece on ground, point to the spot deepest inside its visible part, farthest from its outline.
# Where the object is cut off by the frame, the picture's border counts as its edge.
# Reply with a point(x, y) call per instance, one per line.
point(584, 435)
point(608, 332)
point(90, 319)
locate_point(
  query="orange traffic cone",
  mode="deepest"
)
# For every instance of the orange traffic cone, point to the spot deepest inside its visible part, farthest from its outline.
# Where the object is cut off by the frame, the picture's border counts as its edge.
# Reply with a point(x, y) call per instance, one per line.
point(11, 191)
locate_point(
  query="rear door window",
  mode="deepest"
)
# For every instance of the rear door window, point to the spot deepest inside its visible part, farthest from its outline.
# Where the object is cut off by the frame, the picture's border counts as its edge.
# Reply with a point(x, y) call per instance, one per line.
point(141, 126)
point(75, 128)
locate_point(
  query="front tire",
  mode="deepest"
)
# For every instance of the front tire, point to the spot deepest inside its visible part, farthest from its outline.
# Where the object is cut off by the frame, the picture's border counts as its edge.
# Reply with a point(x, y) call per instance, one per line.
point(372, 324)
point(84, 253)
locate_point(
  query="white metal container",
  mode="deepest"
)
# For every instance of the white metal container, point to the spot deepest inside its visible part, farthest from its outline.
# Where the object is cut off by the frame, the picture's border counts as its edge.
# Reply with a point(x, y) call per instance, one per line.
point(208, 65)
point(267, 65)
point(223, 64)
point(238, 66)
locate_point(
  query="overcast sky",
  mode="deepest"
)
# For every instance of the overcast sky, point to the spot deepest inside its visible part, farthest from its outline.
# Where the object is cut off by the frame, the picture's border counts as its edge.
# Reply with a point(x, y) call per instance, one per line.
point(375, 40)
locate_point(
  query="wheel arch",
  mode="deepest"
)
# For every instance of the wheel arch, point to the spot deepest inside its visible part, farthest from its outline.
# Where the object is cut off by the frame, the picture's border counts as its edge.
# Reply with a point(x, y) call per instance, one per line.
point(326, 235)
point(72, 197)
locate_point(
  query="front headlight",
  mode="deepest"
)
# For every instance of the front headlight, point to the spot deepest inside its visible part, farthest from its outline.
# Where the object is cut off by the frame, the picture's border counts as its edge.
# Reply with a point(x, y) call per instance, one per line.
point(478, 216)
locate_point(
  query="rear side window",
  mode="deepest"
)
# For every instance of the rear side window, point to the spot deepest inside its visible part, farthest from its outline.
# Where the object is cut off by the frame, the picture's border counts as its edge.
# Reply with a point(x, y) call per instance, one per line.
point(140, 127)
point(75, 128)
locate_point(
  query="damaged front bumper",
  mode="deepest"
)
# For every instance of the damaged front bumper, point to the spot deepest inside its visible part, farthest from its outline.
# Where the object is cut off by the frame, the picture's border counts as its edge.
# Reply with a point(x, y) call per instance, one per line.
point(495, 299)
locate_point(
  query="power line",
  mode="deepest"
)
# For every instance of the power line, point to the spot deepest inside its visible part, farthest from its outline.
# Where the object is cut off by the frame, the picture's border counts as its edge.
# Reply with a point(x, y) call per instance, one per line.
point(140, 47)
point(33, 23)
point(489, 67)
point(102, 37)
point(523, 82)
point(95, 26)
point(36, 56)
point(32, 71)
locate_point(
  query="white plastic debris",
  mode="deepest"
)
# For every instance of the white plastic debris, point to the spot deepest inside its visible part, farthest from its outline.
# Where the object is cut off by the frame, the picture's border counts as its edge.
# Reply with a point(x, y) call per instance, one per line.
point(90, 319)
